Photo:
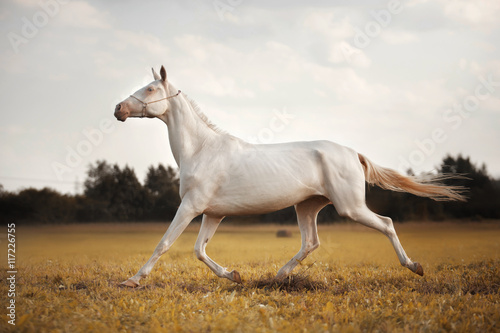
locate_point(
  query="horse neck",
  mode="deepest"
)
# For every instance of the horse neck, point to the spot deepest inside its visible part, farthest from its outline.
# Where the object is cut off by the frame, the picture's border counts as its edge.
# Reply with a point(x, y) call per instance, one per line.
point(188, 132)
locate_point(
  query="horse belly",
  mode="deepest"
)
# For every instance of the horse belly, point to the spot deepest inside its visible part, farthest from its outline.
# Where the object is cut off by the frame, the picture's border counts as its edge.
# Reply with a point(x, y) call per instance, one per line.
point(263, 201)
point(259, 190)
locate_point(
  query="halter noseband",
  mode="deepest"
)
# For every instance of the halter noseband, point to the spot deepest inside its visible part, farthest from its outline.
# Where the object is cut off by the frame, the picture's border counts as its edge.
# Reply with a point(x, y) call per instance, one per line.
point(145, 104)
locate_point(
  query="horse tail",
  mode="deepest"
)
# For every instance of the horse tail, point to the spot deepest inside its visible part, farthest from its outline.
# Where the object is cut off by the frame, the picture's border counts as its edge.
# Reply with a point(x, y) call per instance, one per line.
point(389, 179)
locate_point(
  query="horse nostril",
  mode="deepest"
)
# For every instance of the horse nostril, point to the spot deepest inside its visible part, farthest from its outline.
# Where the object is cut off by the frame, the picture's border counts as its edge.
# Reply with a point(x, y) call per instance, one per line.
point(118, 107)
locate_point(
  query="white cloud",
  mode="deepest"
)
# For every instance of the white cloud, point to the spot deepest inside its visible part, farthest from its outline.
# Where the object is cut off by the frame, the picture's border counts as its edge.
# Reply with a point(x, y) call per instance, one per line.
point(27, 3)
point(492, 104)
point(412, 3)
point(195, 46)
point(345, 53)
point(462, 64)
point(4, 13)
point(453, 16)
point(336, 33)
point(12, 63)
point(212, 64)
point(80, 14)
point(392, 36)
point(227, 71)
point(225, 86)
point(482, 14)
point(327, 23)
point(347, 85)
point(139, 41)
point(59, 77)
point(485, 69)
point(427, 98)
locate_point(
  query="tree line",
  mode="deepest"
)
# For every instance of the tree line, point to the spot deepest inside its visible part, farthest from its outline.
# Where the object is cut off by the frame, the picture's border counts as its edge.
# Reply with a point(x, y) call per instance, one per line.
point(112, 193)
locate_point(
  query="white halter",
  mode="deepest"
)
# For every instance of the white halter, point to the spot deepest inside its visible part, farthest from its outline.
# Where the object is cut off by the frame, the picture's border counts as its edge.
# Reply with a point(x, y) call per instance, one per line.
point(144, 104)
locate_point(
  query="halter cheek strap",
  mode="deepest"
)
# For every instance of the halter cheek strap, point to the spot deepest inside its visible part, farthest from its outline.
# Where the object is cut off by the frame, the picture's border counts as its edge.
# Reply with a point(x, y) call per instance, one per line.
point(145, 104)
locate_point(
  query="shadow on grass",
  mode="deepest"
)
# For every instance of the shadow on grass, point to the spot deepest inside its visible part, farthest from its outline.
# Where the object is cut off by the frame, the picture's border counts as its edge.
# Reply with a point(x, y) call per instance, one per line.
point(186, 287)
point(293, 283)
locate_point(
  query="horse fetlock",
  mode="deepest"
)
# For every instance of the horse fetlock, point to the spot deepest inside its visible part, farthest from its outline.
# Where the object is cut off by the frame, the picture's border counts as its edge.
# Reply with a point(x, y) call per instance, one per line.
point(312, 247)
point(282, 274)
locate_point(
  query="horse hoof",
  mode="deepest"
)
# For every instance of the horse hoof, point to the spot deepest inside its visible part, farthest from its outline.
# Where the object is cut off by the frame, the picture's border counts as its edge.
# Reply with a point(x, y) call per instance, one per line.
point(129, 284)
point(418, 269)
point(236, 277)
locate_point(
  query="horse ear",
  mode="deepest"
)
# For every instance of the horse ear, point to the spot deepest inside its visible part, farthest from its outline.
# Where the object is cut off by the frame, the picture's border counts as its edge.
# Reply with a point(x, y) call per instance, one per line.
point(155, 75)
point(163, 73)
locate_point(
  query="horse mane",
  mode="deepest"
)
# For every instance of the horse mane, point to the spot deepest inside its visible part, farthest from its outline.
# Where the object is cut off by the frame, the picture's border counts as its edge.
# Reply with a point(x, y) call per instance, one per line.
point(203, 116)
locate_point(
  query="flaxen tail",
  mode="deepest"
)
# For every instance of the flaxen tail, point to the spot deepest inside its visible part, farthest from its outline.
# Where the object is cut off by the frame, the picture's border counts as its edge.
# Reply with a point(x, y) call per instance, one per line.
point(392, 180)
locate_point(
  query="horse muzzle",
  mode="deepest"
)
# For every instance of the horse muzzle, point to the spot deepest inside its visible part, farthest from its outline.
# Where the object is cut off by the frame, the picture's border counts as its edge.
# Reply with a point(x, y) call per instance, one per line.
point(120, 113)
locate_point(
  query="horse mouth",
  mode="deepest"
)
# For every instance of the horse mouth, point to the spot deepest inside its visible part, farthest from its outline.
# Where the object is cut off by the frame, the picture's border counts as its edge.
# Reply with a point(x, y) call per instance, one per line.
point(121, 116)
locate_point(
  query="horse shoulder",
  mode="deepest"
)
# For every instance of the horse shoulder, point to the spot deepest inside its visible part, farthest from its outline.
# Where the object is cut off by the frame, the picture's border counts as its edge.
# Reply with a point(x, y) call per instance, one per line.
point(205, 171)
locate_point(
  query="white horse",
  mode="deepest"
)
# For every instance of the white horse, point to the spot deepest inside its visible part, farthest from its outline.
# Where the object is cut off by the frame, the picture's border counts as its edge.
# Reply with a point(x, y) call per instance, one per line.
point(221, 175)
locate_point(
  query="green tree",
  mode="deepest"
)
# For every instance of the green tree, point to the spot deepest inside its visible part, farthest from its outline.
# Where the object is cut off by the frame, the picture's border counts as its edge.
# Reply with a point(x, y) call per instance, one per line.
point(483, 195)
point(37, 206)
point(162, 186)
point(114, 193)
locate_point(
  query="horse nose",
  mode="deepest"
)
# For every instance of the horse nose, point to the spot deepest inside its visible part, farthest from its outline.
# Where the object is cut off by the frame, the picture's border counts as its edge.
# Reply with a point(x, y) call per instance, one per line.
point(118, 107)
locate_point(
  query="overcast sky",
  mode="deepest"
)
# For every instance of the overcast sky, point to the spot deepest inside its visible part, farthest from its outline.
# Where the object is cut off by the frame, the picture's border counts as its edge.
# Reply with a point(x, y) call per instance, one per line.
point(402, 82)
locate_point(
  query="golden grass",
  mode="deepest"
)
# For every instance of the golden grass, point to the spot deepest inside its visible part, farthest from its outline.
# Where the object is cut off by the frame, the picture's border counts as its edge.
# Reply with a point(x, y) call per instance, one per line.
point(68, 276)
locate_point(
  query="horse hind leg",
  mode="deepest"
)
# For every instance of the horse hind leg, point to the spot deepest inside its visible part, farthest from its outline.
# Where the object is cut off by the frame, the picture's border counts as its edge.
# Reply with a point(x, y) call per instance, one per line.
point(307, 212)
point(207, 230)
point(384, 224)
point(405, 261)
point(348, 196)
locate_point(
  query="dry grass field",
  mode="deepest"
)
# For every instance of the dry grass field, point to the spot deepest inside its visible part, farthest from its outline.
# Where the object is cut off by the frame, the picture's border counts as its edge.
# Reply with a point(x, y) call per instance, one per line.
point(67, 280)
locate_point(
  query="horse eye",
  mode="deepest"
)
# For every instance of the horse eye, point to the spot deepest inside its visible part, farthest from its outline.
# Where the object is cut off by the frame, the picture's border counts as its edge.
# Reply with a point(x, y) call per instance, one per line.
point(150, 89)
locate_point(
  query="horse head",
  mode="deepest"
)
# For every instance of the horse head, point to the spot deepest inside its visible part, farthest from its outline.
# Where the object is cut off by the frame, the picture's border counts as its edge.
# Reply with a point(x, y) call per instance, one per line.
point(149, 101)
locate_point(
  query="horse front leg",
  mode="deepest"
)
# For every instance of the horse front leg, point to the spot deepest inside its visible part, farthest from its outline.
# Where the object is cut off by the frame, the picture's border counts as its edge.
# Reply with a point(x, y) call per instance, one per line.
point(185, 214)
point(208, 227)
